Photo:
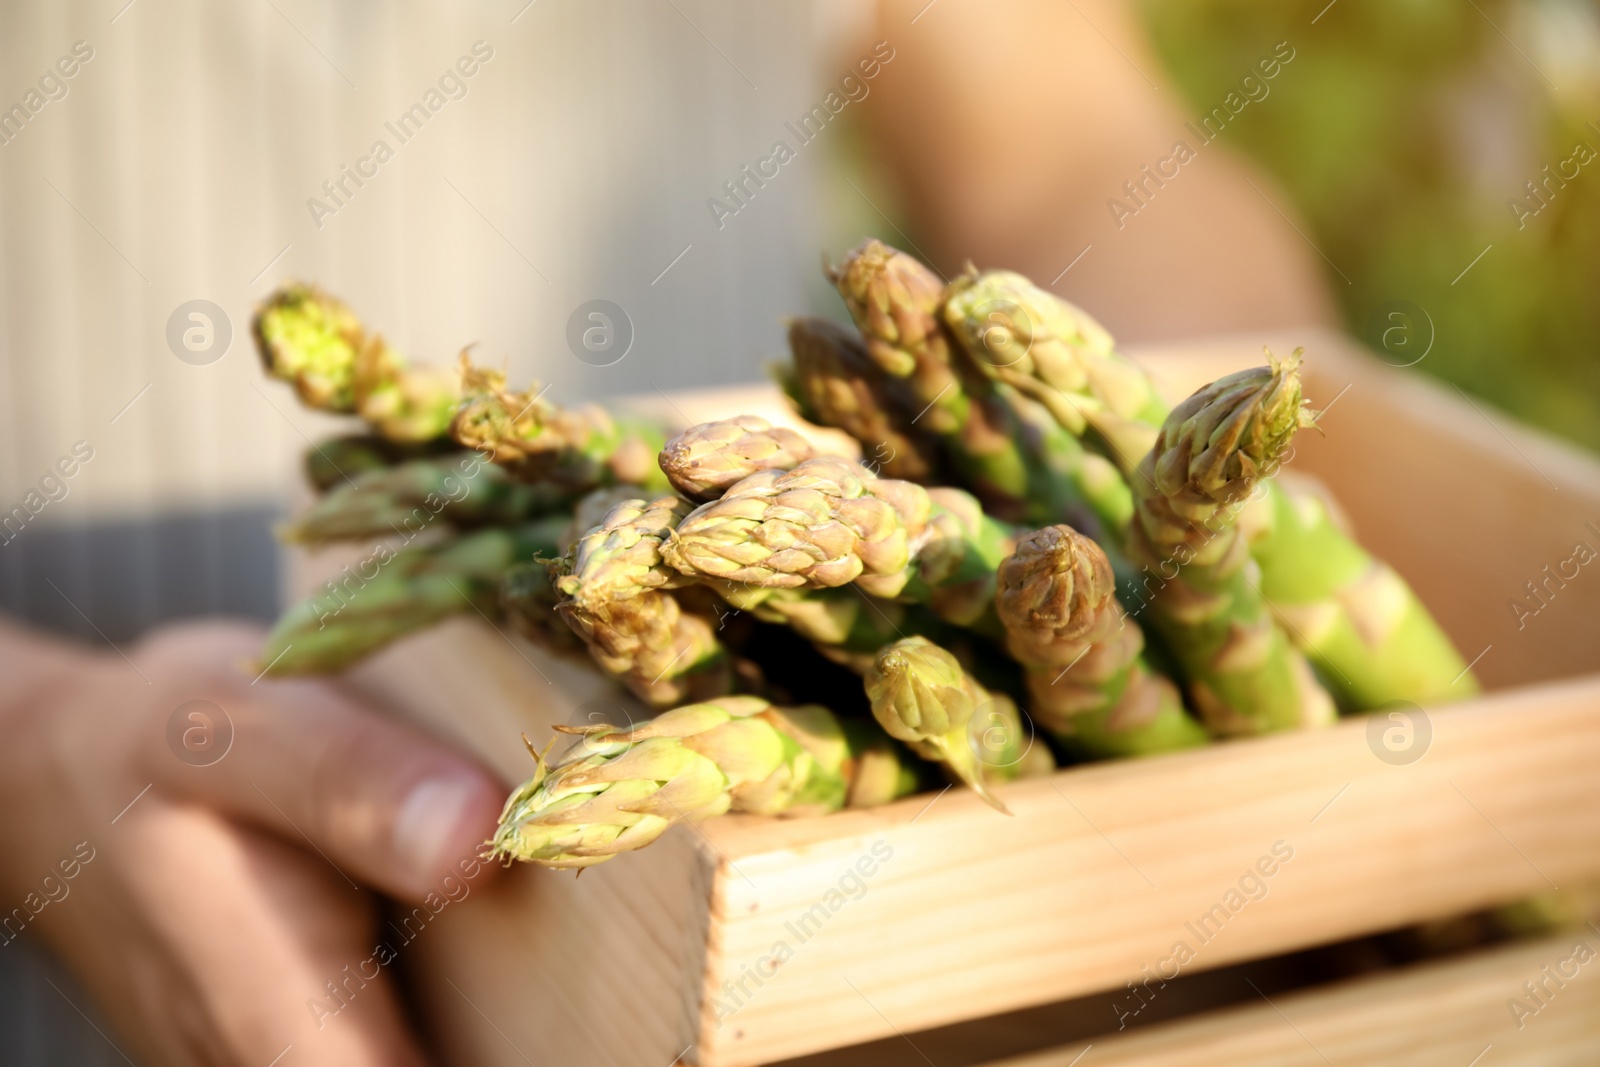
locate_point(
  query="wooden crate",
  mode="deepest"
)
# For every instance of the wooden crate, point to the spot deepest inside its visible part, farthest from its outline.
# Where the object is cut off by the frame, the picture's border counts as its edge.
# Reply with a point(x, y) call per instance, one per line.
point(936, 909)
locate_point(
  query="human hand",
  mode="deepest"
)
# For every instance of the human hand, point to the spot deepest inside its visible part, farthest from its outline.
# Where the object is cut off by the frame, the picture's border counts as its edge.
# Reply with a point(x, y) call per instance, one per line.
point(209, 906)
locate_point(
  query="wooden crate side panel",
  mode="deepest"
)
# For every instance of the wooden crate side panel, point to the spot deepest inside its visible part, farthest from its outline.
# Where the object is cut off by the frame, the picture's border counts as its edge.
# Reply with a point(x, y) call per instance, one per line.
point(530, 962)
point(541, 967)
point(1454, 1012)
point(1105, 870)
point(481, 689)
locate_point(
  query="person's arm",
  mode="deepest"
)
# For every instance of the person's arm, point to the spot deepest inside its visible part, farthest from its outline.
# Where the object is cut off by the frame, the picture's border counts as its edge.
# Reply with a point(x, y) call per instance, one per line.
point(1007, 129)
point(203, 874)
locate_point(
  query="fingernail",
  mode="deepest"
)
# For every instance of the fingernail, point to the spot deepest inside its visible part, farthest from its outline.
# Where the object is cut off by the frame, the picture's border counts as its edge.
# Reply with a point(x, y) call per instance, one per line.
point(428, 821)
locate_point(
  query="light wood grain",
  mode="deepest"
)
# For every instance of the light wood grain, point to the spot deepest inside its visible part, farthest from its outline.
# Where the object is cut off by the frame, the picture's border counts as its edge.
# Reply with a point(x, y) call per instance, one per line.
point(1103, 869)
point(535, 966)
point(968, 913)
point(1453, 1013)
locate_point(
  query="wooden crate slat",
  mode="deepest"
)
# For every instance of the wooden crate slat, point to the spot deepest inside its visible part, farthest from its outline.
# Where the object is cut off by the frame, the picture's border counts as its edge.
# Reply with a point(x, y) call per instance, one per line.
point(510, 970)
point(1442, 1013)
point(539, 967)
point(1490, 812)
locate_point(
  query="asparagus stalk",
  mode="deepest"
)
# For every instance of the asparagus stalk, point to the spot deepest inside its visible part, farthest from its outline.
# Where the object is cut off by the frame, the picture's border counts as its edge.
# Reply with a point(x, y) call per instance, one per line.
point(405, 403)
point(921, 696)
point(1018, 474)
point(460, 490)
point(823, 524)
point(620, 789)
point(834, 382)
point(829, 522)
point(1047, 349)
point(593, 507)
point(894, 299)
point(314, 341)
point(1088, 682)
point(845, 625)
point(957, 560)
point(1100, 500)
point(702, 461)
point(1356, 619)
point(395, 592)
point(338, 460)
point(574, 448)
point(615, 593)
point(1211, 454)
point(1371, 639)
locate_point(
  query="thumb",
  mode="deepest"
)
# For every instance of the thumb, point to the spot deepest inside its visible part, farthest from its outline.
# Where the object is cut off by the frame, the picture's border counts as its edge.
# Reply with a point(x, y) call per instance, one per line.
point(383, 803)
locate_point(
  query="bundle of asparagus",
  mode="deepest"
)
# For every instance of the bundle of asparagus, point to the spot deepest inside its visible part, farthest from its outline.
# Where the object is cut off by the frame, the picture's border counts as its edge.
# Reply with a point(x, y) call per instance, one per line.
point(972, 595)
point(1370, 637)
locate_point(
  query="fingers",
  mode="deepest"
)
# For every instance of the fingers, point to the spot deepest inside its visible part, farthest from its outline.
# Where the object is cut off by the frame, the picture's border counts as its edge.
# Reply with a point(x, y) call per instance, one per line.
point(217, 944)
point(382, 803)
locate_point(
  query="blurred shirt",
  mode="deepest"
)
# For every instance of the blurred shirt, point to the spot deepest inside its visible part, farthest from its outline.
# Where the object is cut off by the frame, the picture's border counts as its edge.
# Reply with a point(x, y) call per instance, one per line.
point(459, 173)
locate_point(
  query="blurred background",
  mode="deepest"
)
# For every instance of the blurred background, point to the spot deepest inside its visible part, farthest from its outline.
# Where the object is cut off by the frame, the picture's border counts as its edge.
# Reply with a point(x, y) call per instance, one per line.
point(1423, 172)
point(1406, 138)
point(178, 164)
point(1416, 147)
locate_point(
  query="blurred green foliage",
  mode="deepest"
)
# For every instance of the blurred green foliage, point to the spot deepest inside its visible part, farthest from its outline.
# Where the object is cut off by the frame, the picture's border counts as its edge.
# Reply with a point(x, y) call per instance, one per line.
point(1402, 130)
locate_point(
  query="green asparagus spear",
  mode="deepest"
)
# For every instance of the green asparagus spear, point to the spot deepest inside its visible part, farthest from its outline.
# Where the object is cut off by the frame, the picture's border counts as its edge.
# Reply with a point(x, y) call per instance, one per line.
point(405, 403)
point(704, 460)
point(823, 524)
point(894, 301)
point(1088, 683)
point(1018, 474)
point(576, 449)
point(338, 460)
point(830, 522)
point(618, 790)
point(1211, 454)
point(311, 339)
point(395, 592)
point(460, 490)
point(921, 696)
point(1005, 744)
point(1047, 349)
point(833, 382)
point(593, 507)
point(1357, 620)
point(615, 593)
point(845, 625)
